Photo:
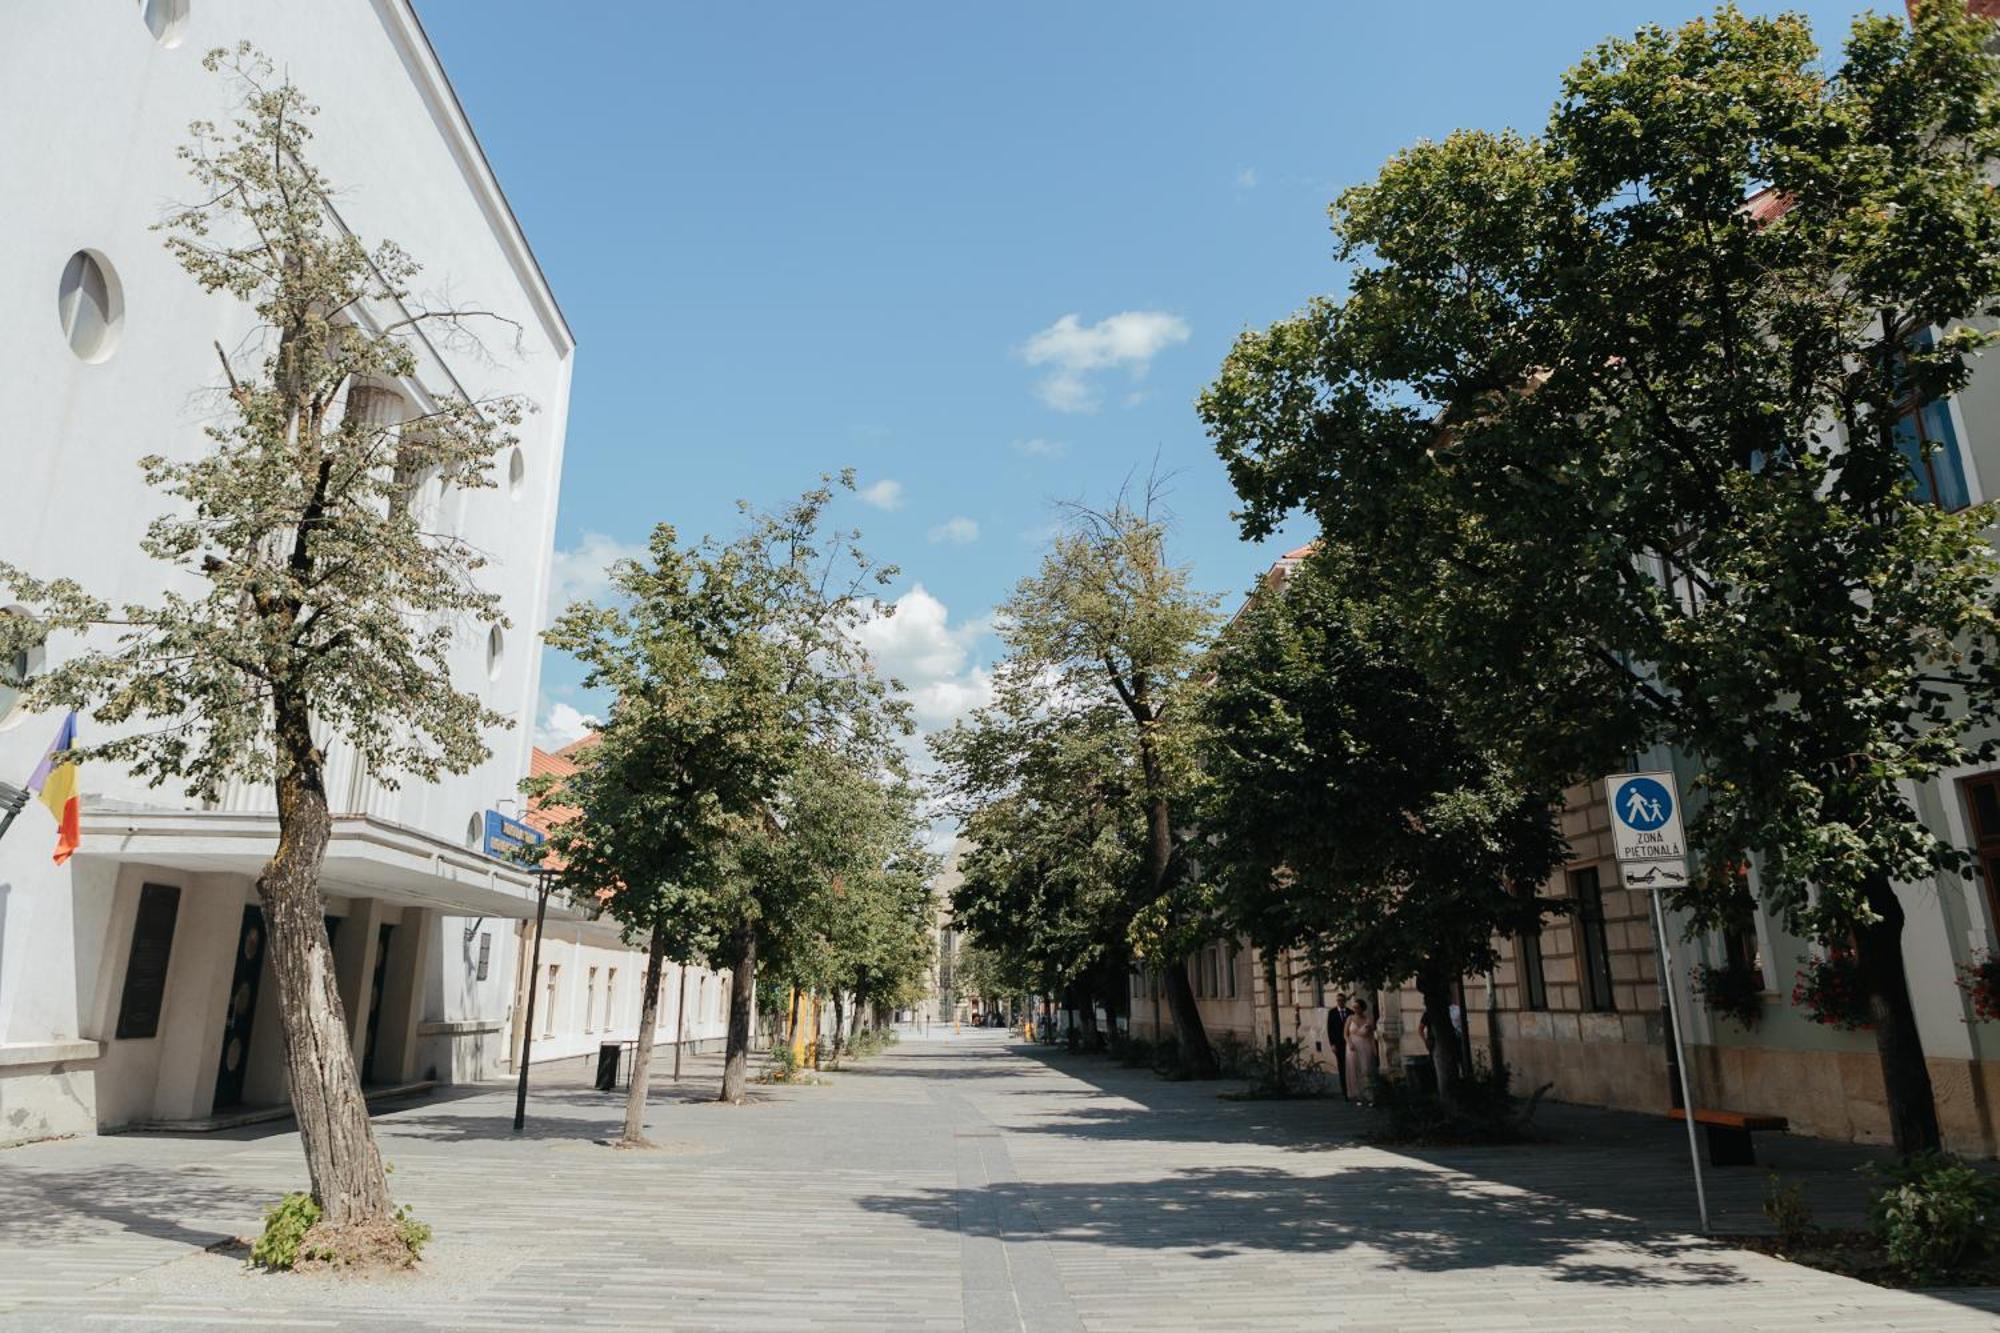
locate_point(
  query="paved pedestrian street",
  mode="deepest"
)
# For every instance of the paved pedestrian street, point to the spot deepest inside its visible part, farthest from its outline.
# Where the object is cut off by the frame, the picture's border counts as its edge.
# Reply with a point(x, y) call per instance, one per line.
point(945, 1184)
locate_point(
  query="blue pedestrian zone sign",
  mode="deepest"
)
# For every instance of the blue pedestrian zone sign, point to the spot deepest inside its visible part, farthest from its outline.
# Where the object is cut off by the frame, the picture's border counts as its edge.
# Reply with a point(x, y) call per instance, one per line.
point(506, 837)
point(1645, 817)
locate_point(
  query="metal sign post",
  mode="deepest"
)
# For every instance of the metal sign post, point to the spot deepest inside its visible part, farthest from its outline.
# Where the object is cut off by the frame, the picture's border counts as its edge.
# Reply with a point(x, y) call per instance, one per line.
point(1652, 855)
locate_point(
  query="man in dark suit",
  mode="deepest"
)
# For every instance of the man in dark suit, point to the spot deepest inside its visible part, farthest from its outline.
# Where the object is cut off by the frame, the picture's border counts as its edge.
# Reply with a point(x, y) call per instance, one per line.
point(1336, 1039)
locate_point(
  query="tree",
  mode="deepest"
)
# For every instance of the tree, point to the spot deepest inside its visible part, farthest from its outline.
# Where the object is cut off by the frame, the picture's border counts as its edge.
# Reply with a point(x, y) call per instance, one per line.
point(1045, 789)
point(1110, 619)
point(698, 740)
point(1633, 457)
point(1348, 815)
point(836, 880)
point(735, 670)
point(310, 600)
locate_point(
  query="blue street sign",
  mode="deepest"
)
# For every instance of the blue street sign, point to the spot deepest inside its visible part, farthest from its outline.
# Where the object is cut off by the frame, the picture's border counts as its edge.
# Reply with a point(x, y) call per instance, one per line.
point(1643, 804)
point(506, 837)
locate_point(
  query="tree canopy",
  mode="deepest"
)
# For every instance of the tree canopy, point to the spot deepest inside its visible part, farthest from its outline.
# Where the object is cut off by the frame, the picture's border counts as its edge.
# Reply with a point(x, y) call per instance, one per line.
point(1624, 417)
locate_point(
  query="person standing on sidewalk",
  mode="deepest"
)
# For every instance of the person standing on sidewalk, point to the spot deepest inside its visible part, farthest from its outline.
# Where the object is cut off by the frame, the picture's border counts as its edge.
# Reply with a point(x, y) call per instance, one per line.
point(1361, 1056)
point(1336, 1039)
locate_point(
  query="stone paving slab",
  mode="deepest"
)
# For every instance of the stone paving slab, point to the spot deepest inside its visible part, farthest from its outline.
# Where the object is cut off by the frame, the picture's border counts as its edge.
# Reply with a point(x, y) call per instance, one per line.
point(961, 1183)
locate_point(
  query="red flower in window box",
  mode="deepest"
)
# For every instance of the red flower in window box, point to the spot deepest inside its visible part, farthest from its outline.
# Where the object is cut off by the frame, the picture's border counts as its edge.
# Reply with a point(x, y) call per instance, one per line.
point(1980, 980)
point(1829, 989)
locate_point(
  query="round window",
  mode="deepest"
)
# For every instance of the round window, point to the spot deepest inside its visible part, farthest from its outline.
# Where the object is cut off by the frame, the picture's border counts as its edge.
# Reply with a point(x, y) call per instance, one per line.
point(517, 474)
point(496, 652)
point(165, 19)
point(90, 305)
point(475, 830)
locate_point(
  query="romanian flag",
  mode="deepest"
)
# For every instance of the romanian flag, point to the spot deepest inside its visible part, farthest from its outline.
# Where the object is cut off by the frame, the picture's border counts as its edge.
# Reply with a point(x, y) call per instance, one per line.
point(54, 780)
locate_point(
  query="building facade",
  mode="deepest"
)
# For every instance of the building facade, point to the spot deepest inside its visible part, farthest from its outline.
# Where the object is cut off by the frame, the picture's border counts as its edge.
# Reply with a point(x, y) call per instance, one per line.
point(133, 983)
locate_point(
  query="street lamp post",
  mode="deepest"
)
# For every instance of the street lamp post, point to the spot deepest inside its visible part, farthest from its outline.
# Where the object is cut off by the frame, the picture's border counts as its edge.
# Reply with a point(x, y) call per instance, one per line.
point(544, 884)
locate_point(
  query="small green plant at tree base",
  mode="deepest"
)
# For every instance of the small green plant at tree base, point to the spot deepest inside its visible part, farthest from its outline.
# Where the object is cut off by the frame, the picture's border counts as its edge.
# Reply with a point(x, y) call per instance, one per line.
point(1934, 1214)
point(1733, 990)
point(1134, 1052)
point(285, 1226)
point(414, 1234)
point(1786, 1207)
point(1233, 1055)
point(1487, 1111)
point(1281, 1070)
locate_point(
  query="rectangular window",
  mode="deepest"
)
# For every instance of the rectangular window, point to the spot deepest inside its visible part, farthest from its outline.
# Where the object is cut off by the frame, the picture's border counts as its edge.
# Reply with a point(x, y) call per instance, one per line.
point(1742, 950)
point(1929, 441)
point(611, 998)
point(1982, 799)
point(549, 1004)
point(1595, 946)
point(146, 964)
point(1234, 961)
point(485, 953)
point(589, 997)
point(1534, 988)
point(1319, 992)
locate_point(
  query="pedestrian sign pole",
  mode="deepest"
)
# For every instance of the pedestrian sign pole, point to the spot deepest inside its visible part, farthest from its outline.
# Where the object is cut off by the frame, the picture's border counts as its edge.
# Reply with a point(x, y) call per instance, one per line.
point(1651, 848)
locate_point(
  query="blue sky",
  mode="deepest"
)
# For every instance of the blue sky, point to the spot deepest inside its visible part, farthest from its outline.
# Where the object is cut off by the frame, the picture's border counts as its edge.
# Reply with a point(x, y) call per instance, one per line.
point(987, 255)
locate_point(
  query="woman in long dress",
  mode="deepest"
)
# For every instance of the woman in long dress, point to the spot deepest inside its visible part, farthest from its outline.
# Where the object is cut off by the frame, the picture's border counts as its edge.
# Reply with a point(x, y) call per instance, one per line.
point(1361, 1054)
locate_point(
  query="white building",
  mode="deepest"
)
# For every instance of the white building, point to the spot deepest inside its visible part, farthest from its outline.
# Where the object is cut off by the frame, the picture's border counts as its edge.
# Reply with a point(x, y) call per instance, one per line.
point(131, 986)
point(589, 990)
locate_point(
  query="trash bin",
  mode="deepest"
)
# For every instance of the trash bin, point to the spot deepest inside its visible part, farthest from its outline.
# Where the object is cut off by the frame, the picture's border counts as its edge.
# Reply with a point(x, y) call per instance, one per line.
point(1421, 1073)
point(607, 1065)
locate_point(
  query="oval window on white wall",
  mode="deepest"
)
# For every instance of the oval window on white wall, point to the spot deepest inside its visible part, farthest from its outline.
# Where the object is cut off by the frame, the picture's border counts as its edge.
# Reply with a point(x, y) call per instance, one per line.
point(496, 652)
point(165, 19)
point(90, 305)
point(517, 474)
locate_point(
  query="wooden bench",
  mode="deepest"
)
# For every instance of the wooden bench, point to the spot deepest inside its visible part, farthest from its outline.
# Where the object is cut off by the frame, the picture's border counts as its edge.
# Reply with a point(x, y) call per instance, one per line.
point(1729, 1134)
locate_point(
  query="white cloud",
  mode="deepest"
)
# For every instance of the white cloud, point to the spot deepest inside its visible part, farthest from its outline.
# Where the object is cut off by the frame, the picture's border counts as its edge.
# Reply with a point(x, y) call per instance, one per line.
point(560, 724)
point(884, 494)
point(1074, 351)
point(578, 574)
point(1246, 179)
point(919, 646)
point(958, 530)
point(1041, 448)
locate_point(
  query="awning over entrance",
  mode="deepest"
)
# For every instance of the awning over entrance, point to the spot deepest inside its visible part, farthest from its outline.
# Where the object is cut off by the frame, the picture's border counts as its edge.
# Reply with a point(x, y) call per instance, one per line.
point(366, 856)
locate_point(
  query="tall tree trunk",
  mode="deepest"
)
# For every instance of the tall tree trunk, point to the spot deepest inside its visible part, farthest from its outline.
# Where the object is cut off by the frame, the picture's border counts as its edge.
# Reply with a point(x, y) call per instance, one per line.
point(839, 1020)
point(1906, 1078)
point(1434, 982)
point(342, 1162)
point(742, 988)
point(1496, 1062)
point(855, 1030)
point(1197, 1057)
point(1271, 1003)
point(642, 1052)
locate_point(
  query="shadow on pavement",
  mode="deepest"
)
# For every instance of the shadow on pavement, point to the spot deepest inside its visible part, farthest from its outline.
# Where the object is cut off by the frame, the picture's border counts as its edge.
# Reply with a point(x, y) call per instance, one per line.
point(57, 1207)
point(1413, 1219)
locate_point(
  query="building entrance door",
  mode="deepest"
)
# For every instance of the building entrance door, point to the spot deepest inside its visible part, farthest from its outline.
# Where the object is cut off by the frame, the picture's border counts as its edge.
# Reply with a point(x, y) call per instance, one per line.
point(242, 1009)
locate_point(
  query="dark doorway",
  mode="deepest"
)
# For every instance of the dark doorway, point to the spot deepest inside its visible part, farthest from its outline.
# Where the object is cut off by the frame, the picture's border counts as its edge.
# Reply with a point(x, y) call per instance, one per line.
point(375, 1003)
point(242, 1009)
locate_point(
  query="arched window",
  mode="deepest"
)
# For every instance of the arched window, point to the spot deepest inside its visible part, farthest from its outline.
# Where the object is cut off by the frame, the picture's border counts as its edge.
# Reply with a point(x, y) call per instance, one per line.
point(90, 305)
